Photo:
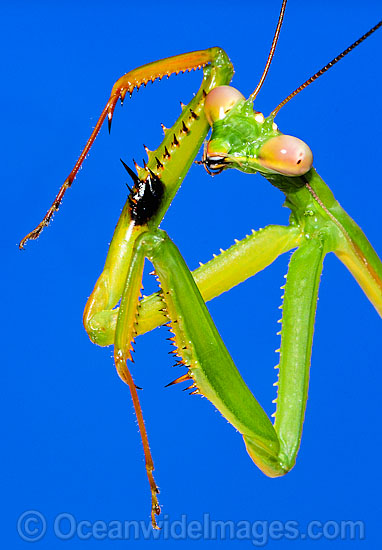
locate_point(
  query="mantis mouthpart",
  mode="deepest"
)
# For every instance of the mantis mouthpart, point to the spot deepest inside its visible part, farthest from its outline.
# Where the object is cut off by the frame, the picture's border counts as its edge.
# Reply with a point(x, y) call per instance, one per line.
point(246, 140)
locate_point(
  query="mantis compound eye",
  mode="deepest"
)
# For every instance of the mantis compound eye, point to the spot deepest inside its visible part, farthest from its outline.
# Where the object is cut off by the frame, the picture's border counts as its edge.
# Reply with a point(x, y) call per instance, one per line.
point(219, 101)
point(286, 155)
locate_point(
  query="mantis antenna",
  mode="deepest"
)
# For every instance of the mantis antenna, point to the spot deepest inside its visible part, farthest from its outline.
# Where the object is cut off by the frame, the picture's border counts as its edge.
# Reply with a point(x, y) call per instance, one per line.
point(271, 52)
point(324, 69)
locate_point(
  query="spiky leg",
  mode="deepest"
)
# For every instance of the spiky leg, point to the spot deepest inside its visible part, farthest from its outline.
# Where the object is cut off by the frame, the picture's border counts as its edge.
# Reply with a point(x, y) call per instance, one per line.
point(211, 368)
point(124, 336)
point(299, 309)
point(126, 84)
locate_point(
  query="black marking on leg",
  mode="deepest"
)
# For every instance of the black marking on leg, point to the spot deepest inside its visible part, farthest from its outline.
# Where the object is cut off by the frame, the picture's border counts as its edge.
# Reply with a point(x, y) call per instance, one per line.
point(145, 196)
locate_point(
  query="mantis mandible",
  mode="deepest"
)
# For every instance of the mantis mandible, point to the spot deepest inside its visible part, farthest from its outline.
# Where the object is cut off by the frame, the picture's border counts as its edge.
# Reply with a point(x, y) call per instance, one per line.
point(244, 139)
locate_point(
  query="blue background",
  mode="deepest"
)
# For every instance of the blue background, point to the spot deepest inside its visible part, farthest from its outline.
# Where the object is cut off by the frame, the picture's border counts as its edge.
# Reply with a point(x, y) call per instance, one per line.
point(70, 437)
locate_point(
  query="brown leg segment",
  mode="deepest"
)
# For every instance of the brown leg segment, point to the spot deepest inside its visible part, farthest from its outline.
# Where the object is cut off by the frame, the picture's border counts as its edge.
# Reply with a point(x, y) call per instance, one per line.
point(126, 84)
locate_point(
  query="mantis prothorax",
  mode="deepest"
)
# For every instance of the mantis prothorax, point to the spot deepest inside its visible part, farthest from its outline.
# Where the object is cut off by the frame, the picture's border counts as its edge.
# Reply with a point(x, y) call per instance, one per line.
point(244, 139)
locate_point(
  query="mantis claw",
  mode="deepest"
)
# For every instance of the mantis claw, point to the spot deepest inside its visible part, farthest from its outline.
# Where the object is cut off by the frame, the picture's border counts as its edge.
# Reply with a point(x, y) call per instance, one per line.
point(155, 512)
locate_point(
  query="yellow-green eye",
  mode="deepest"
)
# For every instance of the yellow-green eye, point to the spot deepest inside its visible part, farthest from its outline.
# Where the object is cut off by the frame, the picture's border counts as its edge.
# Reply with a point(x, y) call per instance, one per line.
point(286, 155)
point(219, 101)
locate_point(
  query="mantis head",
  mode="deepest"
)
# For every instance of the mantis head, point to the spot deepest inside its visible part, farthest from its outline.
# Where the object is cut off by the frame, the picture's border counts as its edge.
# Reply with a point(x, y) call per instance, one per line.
point(244, 139)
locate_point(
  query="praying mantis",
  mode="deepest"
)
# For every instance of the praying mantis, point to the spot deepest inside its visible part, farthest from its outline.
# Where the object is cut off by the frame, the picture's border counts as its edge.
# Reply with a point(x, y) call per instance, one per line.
point(318, 226)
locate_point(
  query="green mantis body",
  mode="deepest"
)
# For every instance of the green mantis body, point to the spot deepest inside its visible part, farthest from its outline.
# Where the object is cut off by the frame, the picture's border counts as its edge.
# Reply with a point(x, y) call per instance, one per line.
point(241, 138)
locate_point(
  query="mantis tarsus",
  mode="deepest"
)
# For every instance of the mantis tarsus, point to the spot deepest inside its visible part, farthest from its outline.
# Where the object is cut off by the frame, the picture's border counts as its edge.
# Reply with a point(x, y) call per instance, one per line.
point(243, 139)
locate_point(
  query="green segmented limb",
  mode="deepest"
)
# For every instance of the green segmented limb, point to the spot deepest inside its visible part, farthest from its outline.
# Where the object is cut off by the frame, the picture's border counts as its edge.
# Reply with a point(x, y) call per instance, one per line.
point(299, 309)
point(171, 162)
point(200, 345)
point(243, 139)
point(201, 348)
